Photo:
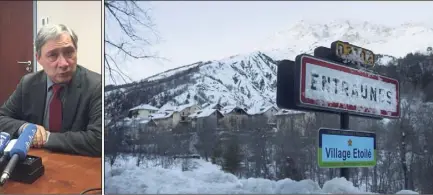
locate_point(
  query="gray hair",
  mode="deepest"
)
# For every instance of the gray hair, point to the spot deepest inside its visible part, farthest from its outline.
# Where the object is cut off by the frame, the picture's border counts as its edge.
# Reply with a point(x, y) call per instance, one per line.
point(50, 32)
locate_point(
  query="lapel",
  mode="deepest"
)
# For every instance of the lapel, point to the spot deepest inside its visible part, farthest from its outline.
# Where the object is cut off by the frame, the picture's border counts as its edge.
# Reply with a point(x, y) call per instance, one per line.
point(38, 94)
point(72, 96)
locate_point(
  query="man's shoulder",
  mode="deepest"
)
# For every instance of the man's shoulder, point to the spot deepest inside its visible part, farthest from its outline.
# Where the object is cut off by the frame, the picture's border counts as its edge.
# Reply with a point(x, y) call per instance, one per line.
point(32, 78)
point(89, 77)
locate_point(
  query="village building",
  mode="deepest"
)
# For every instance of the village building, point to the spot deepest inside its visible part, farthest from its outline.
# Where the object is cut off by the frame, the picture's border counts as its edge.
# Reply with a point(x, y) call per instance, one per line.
point(235, 118)
point(267, 112)
point(142, 111)
point(291, 120)
point(169, 117)
point(206, 118)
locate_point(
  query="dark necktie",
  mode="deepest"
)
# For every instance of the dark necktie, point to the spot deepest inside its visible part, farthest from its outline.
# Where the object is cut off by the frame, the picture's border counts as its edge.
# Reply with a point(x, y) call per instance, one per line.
point(56, 110)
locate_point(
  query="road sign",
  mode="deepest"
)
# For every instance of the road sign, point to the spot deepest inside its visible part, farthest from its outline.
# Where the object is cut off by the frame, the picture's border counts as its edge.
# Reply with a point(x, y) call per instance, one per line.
point(352, 54)
point(325, 85)
point(286, 89)
point(346, 148)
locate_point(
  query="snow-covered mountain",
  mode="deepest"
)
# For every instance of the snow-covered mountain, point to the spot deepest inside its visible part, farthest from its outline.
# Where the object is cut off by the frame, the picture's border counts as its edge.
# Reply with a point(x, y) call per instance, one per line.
point(250, 79)
point(305, 36)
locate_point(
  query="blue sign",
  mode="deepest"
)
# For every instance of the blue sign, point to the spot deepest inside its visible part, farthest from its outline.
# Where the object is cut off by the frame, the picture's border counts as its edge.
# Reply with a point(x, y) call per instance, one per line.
point(346, 148)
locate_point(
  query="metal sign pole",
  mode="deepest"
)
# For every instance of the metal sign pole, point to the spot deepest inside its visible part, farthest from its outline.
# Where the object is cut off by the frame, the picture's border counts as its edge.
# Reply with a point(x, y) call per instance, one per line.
point(344, 124)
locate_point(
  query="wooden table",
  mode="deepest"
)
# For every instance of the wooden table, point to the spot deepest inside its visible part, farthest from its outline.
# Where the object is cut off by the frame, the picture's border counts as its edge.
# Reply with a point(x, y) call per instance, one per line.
point(64, 174)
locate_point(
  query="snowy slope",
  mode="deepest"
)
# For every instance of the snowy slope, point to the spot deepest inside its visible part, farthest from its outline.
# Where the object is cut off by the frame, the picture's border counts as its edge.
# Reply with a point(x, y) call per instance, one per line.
point(207, 178)
point(250, 79)
point(238, 80)
point(173, 71)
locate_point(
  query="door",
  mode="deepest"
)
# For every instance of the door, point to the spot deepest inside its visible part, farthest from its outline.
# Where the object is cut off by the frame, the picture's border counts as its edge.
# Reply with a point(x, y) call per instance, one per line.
point(16, 44)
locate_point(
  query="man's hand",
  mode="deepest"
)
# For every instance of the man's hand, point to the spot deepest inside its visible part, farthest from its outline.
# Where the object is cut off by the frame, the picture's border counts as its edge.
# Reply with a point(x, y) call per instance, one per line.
point(40, 137)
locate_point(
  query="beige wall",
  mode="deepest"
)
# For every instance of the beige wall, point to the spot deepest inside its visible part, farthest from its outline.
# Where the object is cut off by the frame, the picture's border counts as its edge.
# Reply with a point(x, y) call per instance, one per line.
point(176, 119)
point(145, 113)
point(85, 18)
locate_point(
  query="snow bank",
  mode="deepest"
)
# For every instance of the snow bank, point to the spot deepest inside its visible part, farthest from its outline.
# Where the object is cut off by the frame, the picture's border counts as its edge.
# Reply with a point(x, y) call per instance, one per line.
point(341, 186)
point(207, 178)
point(406, 192)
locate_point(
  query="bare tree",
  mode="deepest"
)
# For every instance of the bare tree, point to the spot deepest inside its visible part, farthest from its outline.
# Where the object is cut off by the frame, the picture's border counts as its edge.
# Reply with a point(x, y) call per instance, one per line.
point(114, 141)
point(258, 129)
point(426, 160)
point(232, 156)
point(406, 125)
point(128, 32)
point(206, 130)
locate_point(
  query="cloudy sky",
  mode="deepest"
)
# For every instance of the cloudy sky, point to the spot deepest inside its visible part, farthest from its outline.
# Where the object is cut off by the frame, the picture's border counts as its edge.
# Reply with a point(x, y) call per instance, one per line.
point(194, 31)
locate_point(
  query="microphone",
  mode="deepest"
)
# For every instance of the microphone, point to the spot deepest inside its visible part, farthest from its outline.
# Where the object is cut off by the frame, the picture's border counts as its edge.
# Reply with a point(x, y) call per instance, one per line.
point(4, 140)
point(9, 147)
point(6, 152)
point(19, 151)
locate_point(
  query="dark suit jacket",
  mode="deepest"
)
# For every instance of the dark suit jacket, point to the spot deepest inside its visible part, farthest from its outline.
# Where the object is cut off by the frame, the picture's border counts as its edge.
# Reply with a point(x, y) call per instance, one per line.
point(82, 111)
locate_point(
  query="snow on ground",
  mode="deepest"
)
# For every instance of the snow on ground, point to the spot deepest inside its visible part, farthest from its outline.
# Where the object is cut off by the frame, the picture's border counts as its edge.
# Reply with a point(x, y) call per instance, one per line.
point(406, 192)
point(206, 178)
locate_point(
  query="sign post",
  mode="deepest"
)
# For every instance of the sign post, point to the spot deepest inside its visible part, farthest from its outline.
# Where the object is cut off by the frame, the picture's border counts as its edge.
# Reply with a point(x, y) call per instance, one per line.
point(337, 80)
point(344, 124)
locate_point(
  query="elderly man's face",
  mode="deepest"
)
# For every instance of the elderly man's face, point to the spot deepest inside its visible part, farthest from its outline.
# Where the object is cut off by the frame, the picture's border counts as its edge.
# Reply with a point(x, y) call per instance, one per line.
point(59, 58)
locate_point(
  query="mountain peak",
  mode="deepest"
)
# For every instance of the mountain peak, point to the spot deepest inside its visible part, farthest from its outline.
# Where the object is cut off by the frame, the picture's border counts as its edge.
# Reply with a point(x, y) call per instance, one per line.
point(250, 79)
point(305, 35)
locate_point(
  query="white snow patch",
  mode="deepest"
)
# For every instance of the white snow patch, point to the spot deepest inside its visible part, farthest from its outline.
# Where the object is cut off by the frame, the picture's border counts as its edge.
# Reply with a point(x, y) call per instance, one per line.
point(385, 60)
point(207, 178)
point(171, 72)
point(144, 107)
point(341, 186)
point(203, 113)
point(406, 192)
point(161, 115)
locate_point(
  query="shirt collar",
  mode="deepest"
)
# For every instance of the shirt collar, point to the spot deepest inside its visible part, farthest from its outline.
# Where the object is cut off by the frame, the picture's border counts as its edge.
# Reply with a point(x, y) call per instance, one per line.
point(49, 83)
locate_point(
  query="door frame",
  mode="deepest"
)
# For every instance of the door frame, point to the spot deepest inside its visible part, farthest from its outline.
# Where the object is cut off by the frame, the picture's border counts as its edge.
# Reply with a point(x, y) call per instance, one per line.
point(35, 29)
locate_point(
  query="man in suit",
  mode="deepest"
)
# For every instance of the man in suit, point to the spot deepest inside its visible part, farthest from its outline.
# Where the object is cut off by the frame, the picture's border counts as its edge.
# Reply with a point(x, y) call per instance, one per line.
point(63, 99)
